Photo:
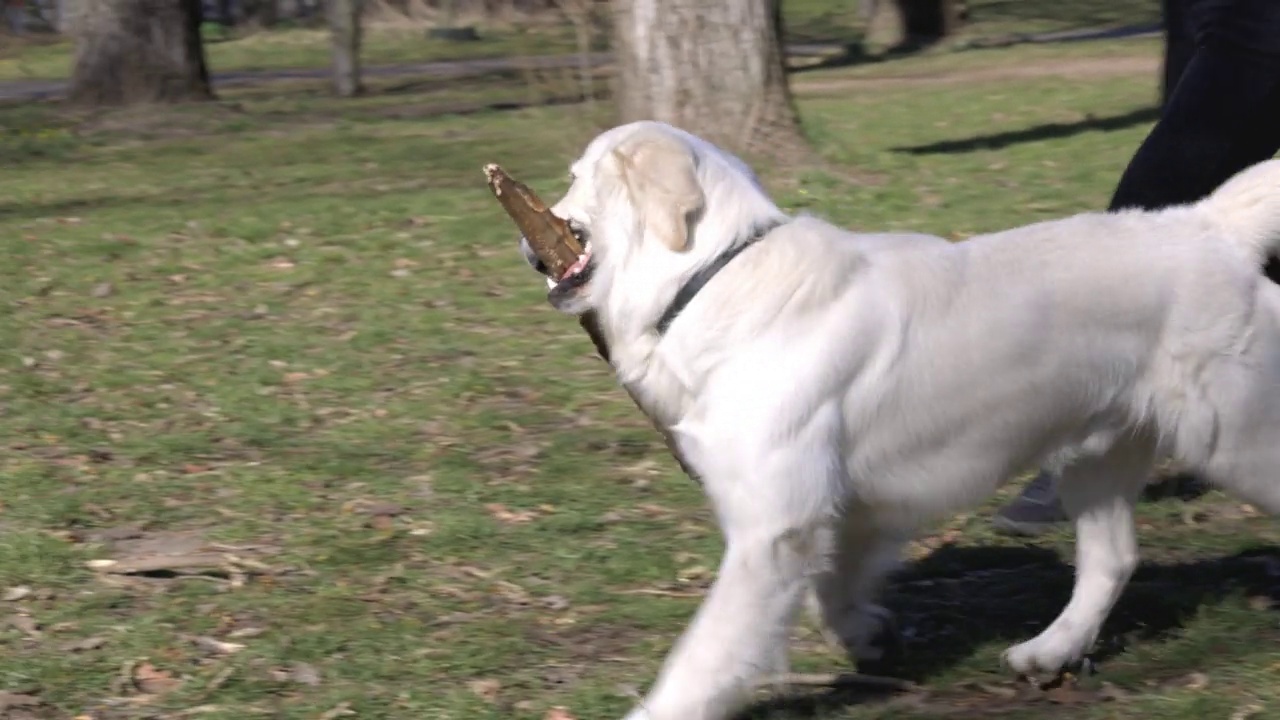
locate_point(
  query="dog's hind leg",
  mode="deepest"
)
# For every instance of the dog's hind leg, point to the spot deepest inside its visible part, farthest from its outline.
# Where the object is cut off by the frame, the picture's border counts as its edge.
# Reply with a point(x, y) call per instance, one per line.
point(843, 598)
point(1099, 493)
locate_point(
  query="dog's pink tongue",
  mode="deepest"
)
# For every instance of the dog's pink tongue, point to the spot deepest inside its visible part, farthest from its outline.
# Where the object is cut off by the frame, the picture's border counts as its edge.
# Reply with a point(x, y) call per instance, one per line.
point(577, 267)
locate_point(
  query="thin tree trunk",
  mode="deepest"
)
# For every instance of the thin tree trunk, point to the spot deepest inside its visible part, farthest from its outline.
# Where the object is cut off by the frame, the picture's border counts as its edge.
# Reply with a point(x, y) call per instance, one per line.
point(15, 12)
point(344, 25)
point(138, 51)
point(260, 13)
point(927, 21)
point(716, 69)
point(226, 13)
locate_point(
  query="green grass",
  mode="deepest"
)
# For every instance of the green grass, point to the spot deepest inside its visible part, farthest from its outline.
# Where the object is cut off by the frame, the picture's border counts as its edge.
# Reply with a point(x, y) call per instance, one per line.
point(298, 333)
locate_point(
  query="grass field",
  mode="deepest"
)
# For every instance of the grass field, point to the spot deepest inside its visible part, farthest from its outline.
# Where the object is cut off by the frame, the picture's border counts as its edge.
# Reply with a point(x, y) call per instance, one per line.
point(282, 352)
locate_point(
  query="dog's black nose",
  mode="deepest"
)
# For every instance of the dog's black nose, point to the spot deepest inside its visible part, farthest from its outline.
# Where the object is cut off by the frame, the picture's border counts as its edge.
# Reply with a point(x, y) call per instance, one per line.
point(532, 258)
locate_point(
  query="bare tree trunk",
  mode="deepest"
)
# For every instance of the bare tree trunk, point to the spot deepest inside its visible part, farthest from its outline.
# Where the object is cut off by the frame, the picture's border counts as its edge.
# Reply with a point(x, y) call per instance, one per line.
point(344, 24)
point(226, 13)
point(914, 24)
point(260, 13)
point(713, 68)
point(15, 12)
point(927, 21)
point(138, 51)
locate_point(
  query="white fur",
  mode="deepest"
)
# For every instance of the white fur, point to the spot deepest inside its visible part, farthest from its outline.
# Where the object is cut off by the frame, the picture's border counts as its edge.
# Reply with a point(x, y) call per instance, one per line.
point(835, 390)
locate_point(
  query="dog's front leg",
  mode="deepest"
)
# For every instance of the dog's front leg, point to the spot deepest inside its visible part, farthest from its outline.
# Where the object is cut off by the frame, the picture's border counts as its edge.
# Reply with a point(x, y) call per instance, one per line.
point(741, 630)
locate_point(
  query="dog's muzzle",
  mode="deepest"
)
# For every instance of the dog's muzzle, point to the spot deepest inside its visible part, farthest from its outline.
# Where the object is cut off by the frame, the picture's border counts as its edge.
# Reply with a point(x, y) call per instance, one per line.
point(568, 295)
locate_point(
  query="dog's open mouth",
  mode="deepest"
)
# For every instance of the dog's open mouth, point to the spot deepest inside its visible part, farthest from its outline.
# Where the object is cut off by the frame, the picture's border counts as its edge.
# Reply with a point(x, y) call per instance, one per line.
point(567, 295)
point(581, 267)
point(579, 273)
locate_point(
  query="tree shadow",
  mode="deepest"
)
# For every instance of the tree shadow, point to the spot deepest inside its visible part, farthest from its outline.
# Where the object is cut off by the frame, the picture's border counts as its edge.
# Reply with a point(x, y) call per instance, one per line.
point(1035, 133)
point(961, 598)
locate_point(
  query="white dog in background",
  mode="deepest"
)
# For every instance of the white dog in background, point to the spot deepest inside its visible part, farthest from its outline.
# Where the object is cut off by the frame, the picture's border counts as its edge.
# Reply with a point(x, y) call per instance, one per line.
point(835, 390)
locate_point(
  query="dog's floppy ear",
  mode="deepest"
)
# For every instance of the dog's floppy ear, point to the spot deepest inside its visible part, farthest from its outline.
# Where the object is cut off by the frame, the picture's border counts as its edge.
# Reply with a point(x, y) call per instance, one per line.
point(659, 174)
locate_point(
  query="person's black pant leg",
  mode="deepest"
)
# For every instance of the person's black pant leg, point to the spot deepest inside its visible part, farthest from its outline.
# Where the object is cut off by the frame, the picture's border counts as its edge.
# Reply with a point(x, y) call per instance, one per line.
point(1223, 116)
point(1179, 46)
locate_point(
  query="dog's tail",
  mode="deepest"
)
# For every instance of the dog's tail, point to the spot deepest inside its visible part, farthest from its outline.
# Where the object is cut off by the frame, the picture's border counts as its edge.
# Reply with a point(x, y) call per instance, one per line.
point(1248, 207)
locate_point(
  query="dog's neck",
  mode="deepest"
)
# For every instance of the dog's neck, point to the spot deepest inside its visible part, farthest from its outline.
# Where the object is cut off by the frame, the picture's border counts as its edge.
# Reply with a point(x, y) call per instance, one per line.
point(637, 311)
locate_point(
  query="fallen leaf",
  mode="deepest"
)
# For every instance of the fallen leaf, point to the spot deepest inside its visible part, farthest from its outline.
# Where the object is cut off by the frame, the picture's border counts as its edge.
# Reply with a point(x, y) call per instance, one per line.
point(102, 290)
point(1245, 712)
point(26, 624)
point(217, 647)
point(13, 701)
point(503, 514)
point(304, 674)
point(342, 709)
point(1196, 681)
point(555, 602)
point(149, 679)
point(558, 713)
point(91, 643)
point(16, 593)
point(486, 690)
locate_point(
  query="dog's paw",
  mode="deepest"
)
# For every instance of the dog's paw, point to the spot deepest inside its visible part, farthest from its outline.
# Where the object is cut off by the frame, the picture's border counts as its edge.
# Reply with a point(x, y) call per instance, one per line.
point(1046, 654)
point(867, 633)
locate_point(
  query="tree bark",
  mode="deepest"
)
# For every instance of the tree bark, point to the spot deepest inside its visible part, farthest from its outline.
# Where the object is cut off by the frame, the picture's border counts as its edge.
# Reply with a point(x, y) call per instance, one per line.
point(138, 51)
point(344, 25)
point(716, 69)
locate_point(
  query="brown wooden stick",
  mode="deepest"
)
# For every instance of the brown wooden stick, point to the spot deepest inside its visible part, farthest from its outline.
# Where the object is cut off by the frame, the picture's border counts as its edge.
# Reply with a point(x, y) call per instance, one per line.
point(549, 236)
point(555, 245)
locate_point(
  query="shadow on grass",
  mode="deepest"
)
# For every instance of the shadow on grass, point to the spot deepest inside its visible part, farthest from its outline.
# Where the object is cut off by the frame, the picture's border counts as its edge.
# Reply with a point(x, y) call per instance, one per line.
point(855, 53)
point(962, 598)
point(1035, 133)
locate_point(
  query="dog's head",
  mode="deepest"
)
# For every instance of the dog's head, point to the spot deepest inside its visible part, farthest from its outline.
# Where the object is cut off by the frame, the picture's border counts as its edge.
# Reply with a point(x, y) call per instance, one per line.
point(650, 204)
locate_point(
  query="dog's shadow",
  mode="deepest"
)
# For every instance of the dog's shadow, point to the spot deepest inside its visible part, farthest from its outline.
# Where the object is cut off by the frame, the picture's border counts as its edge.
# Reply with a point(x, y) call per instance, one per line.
point(961, 598)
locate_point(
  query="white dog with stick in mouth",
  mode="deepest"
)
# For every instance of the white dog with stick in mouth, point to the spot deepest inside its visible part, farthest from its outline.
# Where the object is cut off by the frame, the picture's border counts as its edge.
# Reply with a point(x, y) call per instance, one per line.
point(834, 391)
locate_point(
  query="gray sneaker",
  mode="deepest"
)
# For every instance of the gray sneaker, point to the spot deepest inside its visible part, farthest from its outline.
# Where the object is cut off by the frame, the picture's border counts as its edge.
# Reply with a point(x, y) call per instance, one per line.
point(1037, 510)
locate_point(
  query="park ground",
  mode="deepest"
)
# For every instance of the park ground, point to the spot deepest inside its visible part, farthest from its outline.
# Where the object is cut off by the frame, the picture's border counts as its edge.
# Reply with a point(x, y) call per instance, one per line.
point(288, 430)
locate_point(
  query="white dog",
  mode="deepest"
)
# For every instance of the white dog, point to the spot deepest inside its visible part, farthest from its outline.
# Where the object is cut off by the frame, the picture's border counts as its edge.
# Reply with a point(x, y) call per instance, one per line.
point(835, 390)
